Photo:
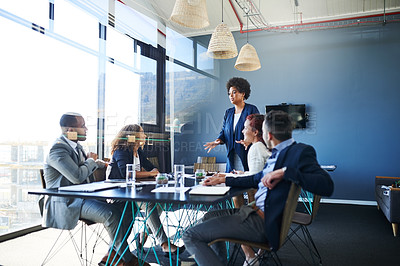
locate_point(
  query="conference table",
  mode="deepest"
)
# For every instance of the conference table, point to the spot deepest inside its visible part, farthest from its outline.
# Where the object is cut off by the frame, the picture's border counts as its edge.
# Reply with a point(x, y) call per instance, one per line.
point(181, 208)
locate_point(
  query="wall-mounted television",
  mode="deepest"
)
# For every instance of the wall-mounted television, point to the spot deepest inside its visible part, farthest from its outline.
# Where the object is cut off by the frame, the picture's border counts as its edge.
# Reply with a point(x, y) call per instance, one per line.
point(296, 111)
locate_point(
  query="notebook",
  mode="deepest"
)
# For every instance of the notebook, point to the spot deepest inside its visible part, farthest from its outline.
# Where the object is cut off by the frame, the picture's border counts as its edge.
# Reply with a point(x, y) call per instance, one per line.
point(209, 190)
point(91, 187)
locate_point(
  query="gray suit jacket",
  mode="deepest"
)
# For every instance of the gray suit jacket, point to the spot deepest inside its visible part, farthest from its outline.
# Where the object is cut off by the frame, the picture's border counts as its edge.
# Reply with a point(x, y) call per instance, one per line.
point(63, 168)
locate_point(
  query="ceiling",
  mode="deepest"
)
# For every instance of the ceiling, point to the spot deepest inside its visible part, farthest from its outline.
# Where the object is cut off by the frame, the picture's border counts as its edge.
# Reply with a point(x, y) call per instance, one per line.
point(273, 15)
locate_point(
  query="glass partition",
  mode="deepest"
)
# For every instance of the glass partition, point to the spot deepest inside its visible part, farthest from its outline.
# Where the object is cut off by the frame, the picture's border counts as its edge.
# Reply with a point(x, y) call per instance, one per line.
point(204, 62)
point(127, 20)
point(179, 47)
point(187, 95)
point(36, 11)
point(120, 47)
point(74, 23)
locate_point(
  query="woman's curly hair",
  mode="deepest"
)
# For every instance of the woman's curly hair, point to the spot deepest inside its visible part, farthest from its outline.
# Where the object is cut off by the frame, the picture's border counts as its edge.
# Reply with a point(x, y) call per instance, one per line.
point(241, 84)
point(121, 139)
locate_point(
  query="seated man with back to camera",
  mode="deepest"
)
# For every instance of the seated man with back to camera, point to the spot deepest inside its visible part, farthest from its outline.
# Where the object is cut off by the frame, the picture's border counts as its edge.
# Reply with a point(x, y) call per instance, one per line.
point(66, 165)
point(289, 162)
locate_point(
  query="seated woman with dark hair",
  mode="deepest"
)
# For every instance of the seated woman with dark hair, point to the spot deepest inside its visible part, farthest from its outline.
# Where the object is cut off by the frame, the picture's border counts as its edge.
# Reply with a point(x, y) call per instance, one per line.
point(126, 149)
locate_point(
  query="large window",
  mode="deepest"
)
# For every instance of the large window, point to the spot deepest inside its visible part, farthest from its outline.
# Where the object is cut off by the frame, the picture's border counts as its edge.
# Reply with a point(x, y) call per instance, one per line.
point(60, 67)
point(65, 56)
point(41, 78)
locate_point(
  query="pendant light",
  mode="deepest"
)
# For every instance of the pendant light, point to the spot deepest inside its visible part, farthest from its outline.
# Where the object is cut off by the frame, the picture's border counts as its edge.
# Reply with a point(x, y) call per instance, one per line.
point(248, 59)
point(222, 44)
point(190, 13)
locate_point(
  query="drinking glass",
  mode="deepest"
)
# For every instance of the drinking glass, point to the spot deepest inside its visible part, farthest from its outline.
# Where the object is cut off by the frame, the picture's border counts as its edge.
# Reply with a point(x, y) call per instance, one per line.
point(130, 174)
point(179, 171)
point(199, 175)
point(162, 180)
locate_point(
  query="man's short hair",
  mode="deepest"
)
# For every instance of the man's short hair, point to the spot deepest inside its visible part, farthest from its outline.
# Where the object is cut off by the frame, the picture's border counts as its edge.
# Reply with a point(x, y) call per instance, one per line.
point(69, 119)
point(279, 124)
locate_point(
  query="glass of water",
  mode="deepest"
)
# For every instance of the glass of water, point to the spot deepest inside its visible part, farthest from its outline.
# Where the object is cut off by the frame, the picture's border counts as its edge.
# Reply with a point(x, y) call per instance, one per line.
point(179, 171)
point(162, 180)
point(199, 175)
point(130, 174)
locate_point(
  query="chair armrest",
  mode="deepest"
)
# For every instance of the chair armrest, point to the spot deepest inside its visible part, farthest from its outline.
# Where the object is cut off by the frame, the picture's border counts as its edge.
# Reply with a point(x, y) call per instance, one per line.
point(99, 174)
point(394, 199)
point(385, 180)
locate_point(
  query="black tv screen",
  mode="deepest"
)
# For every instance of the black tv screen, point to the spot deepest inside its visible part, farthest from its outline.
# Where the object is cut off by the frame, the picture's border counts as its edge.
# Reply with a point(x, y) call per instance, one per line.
point(296, 111)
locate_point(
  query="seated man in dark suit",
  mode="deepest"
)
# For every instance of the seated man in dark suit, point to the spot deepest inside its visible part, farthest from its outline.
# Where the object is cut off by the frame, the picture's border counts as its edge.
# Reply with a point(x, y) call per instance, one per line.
point(68, 165)
point(289, 162)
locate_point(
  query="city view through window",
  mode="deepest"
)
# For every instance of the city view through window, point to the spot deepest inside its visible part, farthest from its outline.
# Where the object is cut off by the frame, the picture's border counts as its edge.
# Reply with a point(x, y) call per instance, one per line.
point(46, 75)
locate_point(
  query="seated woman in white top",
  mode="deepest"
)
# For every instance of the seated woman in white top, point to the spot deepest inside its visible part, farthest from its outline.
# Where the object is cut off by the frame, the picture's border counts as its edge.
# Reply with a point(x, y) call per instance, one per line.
point(258, 152)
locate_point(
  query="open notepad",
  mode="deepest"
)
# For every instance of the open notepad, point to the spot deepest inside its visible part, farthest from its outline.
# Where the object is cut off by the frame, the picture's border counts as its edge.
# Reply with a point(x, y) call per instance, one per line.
point(209, 190)
point(91, 187)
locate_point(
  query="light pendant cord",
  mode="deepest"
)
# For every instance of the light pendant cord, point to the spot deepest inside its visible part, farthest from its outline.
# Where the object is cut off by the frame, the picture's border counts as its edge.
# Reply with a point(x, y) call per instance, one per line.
point(222, 11)
point(247, 33)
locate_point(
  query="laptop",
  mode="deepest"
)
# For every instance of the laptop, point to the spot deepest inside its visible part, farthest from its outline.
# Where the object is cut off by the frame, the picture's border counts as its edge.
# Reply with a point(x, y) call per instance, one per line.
point(91, 187)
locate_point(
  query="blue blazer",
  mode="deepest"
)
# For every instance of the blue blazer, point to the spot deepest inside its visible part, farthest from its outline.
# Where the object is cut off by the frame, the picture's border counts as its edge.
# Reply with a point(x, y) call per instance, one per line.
point(122, 157)
point(229, 138)
point(302, 169)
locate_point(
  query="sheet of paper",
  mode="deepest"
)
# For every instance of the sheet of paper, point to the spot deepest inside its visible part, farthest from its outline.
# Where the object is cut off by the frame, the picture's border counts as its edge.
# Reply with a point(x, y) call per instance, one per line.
point(91, 187)
point(209, 190)
point(237, 175)
point(170, 189)
point(154, 182)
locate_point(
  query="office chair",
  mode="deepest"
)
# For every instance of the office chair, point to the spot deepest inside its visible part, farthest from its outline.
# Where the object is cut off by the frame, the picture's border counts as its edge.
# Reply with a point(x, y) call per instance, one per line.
point(267, 252)
point(207, 163)
point(302, 220)
point(82, 248)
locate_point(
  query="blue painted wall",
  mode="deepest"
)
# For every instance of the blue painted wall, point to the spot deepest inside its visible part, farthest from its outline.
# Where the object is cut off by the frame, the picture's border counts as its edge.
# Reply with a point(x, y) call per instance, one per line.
point(349, 80)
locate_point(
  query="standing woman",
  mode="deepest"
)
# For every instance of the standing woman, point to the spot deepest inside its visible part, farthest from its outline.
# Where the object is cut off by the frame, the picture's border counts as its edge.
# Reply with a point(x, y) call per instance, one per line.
point(238, 92)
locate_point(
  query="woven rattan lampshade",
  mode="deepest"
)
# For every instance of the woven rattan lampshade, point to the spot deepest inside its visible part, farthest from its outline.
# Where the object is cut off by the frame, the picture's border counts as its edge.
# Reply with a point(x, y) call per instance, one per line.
point(190, 13)
point(248, 59)
point(222, 44)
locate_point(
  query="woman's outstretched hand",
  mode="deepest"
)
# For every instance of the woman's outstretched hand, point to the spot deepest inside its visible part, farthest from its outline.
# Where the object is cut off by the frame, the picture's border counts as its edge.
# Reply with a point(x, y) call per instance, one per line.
point(246, 144)
point(212, 145)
